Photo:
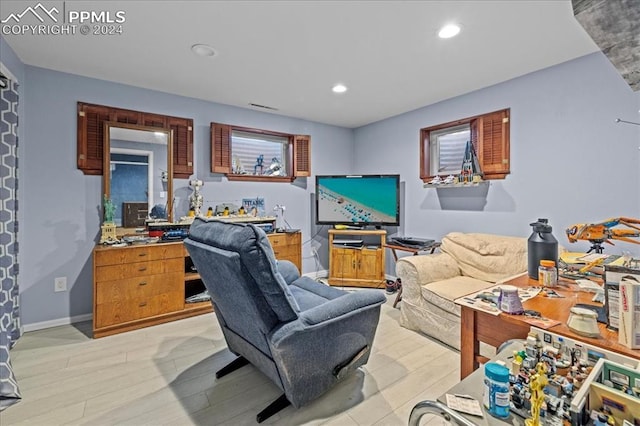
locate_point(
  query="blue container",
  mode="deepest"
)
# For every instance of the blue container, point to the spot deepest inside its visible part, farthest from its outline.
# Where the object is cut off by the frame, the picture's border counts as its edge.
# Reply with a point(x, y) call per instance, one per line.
point(496, 390)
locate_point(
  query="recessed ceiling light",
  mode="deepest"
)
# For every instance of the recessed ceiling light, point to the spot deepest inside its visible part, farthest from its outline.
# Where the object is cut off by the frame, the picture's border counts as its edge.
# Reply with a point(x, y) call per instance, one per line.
point(449, 31)
point(203, 50)
point(339, 88)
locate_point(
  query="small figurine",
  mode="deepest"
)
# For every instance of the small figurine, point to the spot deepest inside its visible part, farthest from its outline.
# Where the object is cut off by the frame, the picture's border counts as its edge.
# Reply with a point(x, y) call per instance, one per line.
point(536, 386)
point(109, 210)
point(196, 199)
point(210, 212)
point(259, 163)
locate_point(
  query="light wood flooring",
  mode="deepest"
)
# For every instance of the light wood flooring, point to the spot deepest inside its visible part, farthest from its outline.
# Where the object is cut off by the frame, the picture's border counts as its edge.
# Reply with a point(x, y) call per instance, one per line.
point(164, 375)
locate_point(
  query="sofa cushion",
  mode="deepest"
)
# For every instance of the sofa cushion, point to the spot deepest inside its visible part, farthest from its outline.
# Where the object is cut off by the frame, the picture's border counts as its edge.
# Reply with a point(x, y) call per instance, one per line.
point(451, 289)
point(486, 257)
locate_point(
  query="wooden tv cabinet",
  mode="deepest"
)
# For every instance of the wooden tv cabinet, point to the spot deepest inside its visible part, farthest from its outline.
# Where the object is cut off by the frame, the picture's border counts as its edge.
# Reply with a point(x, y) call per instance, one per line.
point(357, 266)
point(143, 285)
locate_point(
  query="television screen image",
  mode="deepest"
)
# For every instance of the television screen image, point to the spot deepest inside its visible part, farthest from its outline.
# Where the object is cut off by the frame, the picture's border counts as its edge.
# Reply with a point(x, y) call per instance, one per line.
point(361, 200)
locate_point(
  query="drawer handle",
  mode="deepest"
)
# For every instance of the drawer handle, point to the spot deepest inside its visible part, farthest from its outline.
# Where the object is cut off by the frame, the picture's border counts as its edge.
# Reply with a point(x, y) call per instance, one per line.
point(143, 283)
point(142, 254)
point(142, 268)
point(142, 304)
point(275, 253)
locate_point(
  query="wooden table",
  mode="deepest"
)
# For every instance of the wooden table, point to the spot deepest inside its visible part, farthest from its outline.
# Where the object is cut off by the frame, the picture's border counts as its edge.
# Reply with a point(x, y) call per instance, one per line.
point(478, 326)
point(415, 250)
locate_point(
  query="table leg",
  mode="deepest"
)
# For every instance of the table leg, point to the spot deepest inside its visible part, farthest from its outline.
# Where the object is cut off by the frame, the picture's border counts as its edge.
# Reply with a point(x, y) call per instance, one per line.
point(398, 297)
point(469, 344)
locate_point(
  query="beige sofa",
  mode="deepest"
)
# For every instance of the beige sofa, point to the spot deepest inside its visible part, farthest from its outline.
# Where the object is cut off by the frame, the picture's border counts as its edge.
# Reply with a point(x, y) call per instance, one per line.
point(467, 263)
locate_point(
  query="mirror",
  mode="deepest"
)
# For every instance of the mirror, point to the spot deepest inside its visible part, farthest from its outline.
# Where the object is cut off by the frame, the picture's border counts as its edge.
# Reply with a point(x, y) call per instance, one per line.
point(138, 173)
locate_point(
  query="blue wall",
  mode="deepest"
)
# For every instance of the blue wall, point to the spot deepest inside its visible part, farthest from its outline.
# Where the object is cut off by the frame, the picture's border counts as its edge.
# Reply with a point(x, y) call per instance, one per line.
point(570, 161)
point(61, 205)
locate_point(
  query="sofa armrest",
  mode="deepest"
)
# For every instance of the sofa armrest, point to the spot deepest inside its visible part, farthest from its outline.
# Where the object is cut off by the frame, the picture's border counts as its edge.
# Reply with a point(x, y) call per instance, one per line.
point(416, 271)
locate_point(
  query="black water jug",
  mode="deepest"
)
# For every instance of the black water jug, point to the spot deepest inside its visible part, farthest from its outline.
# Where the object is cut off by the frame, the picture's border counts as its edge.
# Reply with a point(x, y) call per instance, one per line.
point(541, 245)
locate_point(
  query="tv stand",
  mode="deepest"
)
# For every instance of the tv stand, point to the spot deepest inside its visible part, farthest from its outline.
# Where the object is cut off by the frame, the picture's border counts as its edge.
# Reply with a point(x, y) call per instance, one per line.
point(362, 266)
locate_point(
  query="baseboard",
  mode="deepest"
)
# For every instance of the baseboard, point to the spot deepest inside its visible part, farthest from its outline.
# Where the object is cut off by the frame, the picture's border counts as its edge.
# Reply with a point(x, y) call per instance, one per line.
point(56, 323)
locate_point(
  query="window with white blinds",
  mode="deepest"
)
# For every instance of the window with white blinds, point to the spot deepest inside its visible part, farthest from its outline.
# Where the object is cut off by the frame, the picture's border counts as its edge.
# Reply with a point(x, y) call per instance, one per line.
point(443, 146)
point(447, 149)
point(259, 154)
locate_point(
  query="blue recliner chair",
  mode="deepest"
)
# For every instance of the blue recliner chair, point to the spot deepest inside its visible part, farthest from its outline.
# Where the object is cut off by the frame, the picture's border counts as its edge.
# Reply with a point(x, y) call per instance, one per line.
point(303, 335)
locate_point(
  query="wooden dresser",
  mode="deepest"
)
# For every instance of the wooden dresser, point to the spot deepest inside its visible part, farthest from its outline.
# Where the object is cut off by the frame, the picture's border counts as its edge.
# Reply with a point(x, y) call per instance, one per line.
point(287, 246)
point(140, 286)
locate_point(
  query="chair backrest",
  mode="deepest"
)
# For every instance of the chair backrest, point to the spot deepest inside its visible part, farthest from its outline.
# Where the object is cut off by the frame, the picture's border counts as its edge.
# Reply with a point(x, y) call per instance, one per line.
point(238, 267)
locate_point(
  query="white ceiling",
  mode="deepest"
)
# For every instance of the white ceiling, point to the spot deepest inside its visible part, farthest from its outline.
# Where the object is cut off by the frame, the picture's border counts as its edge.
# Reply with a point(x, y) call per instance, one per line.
point(288, 54)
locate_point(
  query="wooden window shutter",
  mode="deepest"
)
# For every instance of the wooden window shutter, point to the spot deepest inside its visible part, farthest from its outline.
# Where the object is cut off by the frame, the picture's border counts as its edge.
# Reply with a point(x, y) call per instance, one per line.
point(220, 148)
point(90, 139)
point(155, 120)
point(182, 146)
point(301, 155)
point(493, 144)
point(126, 116)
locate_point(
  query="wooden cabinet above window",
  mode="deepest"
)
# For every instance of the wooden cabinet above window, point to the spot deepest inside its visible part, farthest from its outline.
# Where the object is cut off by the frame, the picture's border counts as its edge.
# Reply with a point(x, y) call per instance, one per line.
point(442, 147)
point(91, 119)
point(242, 153)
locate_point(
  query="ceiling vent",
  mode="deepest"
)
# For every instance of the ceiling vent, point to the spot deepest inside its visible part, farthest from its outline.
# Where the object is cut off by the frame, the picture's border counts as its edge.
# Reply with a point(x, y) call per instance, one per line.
point(263, 107)
point(615, 27)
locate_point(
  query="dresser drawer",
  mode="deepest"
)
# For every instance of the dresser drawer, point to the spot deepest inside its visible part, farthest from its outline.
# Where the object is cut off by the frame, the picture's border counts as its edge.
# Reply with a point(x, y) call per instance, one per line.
point(119, 256)
point(138, 269)
point(286, 251)
point(122, 311)
point(138, 288)
point(278, 240)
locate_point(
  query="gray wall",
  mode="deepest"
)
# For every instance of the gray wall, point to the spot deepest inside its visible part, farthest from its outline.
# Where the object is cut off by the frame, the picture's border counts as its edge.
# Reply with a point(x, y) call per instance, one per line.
point(570, 162)
point(61, 205)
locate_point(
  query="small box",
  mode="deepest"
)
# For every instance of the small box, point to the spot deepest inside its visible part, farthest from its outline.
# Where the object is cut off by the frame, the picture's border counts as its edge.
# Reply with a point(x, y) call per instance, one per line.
point(134, 214)
point(612, 276)
point(629, 311)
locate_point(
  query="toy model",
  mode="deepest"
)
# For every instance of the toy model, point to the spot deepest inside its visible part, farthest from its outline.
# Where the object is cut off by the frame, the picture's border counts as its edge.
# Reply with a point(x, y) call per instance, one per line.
point(598, 233)
point(536, 386)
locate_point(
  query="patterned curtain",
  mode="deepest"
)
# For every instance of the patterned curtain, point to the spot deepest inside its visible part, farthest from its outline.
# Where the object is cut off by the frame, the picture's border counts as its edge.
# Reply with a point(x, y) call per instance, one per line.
point(9, 308)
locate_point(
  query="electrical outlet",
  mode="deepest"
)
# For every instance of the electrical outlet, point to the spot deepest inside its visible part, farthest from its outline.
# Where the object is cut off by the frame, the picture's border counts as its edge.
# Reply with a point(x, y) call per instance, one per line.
point(60, 284)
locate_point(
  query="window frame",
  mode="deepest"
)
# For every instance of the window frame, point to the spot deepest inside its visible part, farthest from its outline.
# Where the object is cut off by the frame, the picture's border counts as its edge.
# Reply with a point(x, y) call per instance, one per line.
point(490, 137)
point(297, 161)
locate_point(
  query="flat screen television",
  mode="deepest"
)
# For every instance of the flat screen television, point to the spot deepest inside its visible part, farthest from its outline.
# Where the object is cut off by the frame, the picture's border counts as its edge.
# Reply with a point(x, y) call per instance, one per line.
point(358, 200)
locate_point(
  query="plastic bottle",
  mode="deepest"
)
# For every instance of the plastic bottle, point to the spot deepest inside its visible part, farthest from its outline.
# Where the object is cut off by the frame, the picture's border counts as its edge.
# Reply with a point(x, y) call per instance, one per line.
point(541, 245)
point(496, 389)
point(547, 273)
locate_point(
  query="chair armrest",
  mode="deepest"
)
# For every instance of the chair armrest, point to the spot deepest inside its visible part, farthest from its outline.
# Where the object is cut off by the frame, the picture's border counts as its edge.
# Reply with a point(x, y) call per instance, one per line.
point(347, 304)
point(330, 312)
point(288, 270)
point(416, 271)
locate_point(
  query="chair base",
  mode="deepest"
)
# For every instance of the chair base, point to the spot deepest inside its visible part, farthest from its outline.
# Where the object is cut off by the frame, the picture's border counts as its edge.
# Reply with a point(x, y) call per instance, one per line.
point(232, 366)
point(273, 408)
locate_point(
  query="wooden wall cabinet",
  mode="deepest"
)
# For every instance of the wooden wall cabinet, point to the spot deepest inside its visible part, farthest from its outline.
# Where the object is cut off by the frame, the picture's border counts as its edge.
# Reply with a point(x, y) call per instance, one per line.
point(357, 267)
point(90, 138)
